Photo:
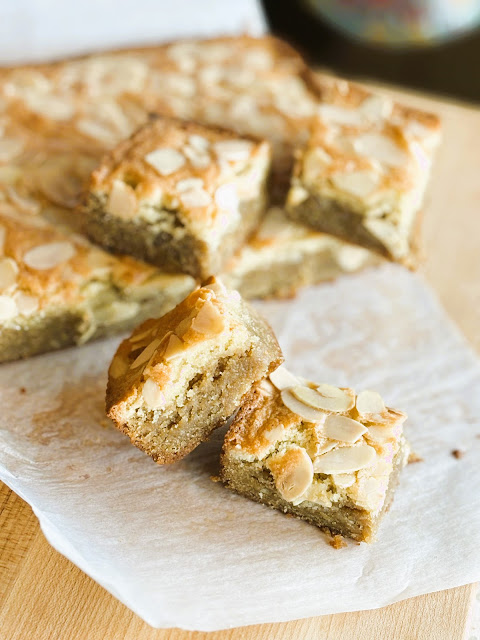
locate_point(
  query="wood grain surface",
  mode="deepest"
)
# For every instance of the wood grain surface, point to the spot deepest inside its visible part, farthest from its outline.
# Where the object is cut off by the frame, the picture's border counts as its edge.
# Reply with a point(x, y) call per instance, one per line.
point(43, 596)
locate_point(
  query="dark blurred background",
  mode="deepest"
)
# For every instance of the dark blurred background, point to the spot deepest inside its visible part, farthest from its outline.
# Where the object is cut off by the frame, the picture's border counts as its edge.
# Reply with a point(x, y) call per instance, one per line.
point(449, 68)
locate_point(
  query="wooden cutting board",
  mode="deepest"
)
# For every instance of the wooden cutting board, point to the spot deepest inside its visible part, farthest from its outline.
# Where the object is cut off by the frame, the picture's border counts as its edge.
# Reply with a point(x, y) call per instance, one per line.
point(43, 596)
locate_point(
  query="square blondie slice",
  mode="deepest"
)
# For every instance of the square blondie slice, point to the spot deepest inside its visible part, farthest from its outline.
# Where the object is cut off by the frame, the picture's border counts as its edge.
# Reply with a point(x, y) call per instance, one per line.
point(318, 452)
point(363, 173)
point(180, 376)
point(179, 195)
point(283, 256)
point(58, 290)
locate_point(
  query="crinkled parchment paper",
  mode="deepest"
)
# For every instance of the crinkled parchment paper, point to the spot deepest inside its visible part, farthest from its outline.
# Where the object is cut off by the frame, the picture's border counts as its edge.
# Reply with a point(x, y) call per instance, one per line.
point(182, 551)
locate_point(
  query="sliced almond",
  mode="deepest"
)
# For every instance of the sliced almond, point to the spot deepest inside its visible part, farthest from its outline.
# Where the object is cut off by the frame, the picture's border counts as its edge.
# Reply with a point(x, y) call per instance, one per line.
point(357, 183)
point(350, 258)
point(174, 348)
point(344, 480)
point(195, 198)
point(325, 397)
point(376, 107)
point(198, 142)
point(233, 150)
point(146, 354)
point(8, 308)
point(292, 472)
point(138, 337)
point(26, 304)
point(118, 367)
point(152, 394)
point(188, 184)
point(283, 379)
point(209, 320)
point(343, 429)
point(266, 387)
point(122, 201)
point(381, 148)
point(369, 402)
point(165, 161)
point(303, 410)
point(217, 287)
point(350, 117)
point(9, 148)
point(380, 435)
point(48, 256)
point(8, 273)
point(345, 459)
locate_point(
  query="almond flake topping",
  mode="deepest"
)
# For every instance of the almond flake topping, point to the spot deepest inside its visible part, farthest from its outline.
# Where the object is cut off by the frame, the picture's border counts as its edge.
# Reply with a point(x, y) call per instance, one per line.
point(122, 201)
point(146, 354)
point(343, 429)
point(152, 394)
point(325, 397)
point(303, 410)
point(369, 402)
point(165, 161)
point(226, 198)
point(118, 367)
point(345, 459)
point(292, 472)
point(26, 304)
point(281, 378)
point(194, 198)
point(357, 183)
point(8, 273)
point(48, 256)
point(8, 308)
point(233, 150)
point(209, 320)
point(174, 347)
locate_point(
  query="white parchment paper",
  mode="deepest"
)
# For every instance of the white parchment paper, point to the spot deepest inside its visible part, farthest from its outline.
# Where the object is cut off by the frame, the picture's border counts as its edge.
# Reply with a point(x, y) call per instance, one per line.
point(182, 551)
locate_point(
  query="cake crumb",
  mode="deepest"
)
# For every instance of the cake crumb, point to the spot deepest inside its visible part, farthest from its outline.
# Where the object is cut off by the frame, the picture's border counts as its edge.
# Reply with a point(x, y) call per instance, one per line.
point(456, 453)
point(337, 542)
point(215, 478)
point(414, 457)
point(22, 390)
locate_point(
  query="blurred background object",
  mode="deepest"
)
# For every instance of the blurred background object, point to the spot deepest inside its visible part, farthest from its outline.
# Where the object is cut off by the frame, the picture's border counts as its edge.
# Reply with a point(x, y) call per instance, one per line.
point(432, 45)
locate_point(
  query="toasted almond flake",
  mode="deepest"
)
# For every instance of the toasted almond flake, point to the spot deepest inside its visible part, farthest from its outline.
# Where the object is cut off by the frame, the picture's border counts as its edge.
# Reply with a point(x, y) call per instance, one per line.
point(381, 148)
point(118, 367)
point(283, 379)
point(198, 159)
point(233, 150)
point(138, 337)
point(26, 304)
point(292, 472)
point(345, 459)
point(27, 205)
point(376, 107)
point(343, 429)
point(226, 198)
point(48, 256)
point(8, 308)
point(325, 397)
point(146, 354)
point(8, 273)
point(266, 387)
point(152, 394)
point(300, 408)
point(116, 311)
point(341, 115)
point(97, 130)
point(381, 434)
point(174, 348)
point(357, 183)
point(50, 106)
point(122, 201)
point(189, 184)
point(195, 198)
point(389, 235)
point(369, 402)
point(297, 195)
point(217, 287)
point(165, 161)
point(198, 142)
point(209, 320)
point(344, 480)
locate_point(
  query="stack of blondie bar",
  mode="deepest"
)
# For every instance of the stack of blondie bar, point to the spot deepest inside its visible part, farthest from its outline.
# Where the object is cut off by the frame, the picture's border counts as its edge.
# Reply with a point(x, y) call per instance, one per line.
point(225, 156)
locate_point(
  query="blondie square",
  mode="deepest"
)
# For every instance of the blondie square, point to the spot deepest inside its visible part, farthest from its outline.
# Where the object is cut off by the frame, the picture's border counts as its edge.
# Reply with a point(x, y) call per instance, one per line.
point(179, 195)
point(363, 172)
point(319, 452)
point(180, 376)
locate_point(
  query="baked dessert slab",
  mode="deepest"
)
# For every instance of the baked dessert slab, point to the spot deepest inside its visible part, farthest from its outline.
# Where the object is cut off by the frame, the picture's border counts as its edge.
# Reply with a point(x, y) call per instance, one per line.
point(179, 195)
point(318, 452)
point(58, 290)
point(283, 256)
point(363, 173)
point(180, 376)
